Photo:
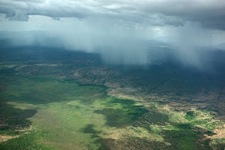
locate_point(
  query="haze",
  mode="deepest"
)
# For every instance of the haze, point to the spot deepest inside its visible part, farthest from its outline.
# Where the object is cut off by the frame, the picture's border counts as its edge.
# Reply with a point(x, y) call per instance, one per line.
point(123, 32)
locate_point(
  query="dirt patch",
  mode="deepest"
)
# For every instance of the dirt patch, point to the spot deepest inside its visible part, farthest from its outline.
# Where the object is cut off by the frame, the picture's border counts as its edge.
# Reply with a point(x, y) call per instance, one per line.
point(4, 138)
point(219, 132)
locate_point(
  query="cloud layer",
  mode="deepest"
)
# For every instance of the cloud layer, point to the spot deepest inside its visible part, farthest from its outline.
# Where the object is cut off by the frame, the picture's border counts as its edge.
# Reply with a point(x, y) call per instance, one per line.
point(125, 31)
point(210, 13)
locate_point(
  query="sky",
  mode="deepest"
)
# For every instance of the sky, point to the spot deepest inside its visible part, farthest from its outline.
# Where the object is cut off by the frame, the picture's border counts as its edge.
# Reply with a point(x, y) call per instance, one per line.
point(121, 31)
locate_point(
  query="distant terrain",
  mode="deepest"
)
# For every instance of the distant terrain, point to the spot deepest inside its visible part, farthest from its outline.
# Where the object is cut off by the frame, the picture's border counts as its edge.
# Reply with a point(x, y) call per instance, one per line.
point(52, 98)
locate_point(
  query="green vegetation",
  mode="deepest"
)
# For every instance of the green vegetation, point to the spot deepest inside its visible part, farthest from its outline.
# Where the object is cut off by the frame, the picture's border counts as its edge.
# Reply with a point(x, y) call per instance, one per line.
point(67, 116)
point(26, 142)
point(46, 106)
point(120, 113)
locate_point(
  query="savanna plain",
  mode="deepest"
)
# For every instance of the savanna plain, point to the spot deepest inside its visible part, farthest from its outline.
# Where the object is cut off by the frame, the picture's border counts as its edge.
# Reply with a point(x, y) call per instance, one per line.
point(53, 99)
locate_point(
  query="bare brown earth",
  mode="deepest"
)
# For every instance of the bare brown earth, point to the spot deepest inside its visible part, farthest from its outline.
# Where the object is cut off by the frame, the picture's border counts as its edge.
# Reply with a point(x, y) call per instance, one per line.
point(219, 132)
point(4, 138)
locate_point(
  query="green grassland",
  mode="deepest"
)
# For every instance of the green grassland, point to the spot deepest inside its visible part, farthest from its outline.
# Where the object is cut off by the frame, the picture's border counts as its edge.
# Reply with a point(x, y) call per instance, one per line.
point(47, 107)
point(48, 113)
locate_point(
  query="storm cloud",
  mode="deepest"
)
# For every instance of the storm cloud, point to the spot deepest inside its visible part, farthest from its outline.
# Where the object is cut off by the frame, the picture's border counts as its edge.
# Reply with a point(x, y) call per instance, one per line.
point(125, 31)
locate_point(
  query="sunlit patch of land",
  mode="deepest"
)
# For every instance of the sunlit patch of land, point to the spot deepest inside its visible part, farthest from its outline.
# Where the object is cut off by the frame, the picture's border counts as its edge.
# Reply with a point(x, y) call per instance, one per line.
point(4, 138)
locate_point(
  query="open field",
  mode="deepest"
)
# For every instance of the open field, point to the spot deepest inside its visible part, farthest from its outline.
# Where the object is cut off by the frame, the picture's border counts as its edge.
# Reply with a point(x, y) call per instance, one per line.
point(80, 103)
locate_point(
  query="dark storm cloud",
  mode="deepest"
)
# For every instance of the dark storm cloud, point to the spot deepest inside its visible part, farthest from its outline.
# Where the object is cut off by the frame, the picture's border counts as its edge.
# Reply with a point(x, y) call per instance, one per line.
point(210, 13)
point(122, 31)
point(22, 9)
